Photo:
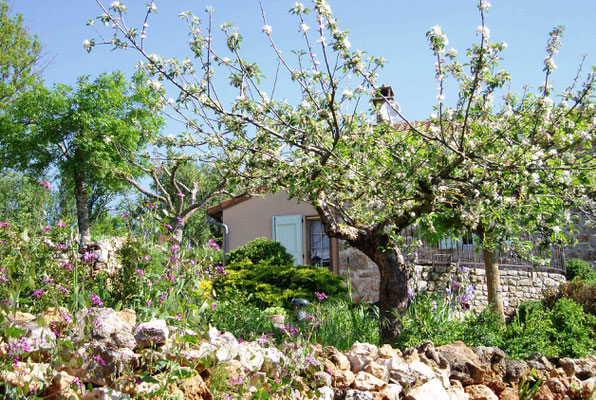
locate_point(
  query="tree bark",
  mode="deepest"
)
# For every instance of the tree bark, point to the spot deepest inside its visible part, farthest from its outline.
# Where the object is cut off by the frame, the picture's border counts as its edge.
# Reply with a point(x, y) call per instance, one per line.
point(493, 283)
point(178, 229)
point(393, 290)
point(80, 192)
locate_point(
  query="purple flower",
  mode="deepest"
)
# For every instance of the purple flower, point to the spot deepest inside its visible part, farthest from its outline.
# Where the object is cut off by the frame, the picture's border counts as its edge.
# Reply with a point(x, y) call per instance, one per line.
point(125, 215)
point(213, 245)
point(99, 360)
point(237, 381)
point(46, 228)
point(95, 300)
point(410, 292)
point(180, 195)
point(321, 296)
point(47, 279)
point(5, 224)
point(149, 302)
point(433, 305)
point(89, 255)
point(151, 206)
point(38, 292)
point(455, 284)
point(46, 185)
point(168, 226)
point(310, 360)
point(463, 269)
point(214, 306)
point(61, 224)
point(175, 247)
point(140, 272)
point(61, 246)
point(63, 289)
point(220, 270)
point(290, 329)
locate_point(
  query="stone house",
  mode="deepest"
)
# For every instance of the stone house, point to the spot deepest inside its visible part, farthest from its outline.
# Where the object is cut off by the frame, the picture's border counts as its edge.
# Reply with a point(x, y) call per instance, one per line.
point(297, 226)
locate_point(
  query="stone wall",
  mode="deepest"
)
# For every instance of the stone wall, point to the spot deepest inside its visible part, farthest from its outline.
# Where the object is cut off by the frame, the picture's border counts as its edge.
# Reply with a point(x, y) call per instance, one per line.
point(586, 243)
point(517, 285)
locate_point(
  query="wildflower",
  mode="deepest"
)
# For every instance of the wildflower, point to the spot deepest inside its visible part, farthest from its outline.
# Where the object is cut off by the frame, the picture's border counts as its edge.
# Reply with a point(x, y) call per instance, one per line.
point(214, 306)
point(175, 247)
point(433, 305)
point(140, 272)
point(125, 215)
point(4, 224)
point(67, 266)
point(99, 360)
point(484, 5)
point(410, 292)
point(77, 382)
point(180, 195)
point(267, 29)
point(220, 269)
point(309, 317)
point(147, 258)
point(89, 255)
point(149, 303)
point(290, 329)
point(46, 228)
point(61, 224)
point(61, 246)
point(237, 381)
point(47, 279)
point(46, 185)
point(87, 45)
point(304, 27)
point(162, 298)
point(38, 292)
point(168, 226)
point(63, 290)
point(95, 300)
point(455, 284)
point(462, 268)
point(321, 296)
point(213, 245)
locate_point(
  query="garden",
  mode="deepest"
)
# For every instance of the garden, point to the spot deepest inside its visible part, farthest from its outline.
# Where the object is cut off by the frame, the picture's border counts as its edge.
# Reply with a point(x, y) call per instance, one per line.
point(116, 284)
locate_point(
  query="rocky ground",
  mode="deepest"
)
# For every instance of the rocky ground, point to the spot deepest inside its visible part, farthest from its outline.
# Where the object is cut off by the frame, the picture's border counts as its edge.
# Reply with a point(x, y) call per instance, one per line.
point(107, 355)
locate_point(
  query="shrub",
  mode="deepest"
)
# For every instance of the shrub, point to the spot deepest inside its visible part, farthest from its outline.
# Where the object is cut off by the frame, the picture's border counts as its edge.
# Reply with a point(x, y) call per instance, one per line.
point(580, 269)
point(261, 251)
point(484, 329)
point(530, 331)
point(576, 290)
point(276, 285)
point(239, 317)
point(574, 329)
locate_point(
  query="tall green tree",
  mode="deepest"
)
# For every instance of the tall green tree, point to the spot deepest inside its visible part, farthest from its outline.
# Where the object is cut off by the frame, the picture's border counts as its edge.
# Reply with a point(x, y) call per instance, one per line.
point(74, 129)
point(20, 55)
point(502, 168)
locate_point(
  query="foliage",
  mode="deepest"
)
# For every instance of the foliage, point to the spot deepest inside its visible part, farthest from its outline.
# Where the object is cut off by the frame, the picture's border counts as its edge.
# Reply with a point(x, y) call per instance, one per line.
point(277, 285)
point(80, 131)
point(341, 323)
point(581, 269)
point(24, 201)
point(506, 168)
point(261, 251)
point(484, 329)
point(577, 290)
point(575, 329)
point(20, 54)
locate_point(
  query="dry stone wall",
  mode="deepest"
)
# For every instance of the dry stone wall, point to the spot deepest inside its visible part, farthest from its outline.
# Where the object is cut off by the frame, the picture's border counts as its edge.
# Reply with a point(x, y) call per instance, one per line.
point(517, 285)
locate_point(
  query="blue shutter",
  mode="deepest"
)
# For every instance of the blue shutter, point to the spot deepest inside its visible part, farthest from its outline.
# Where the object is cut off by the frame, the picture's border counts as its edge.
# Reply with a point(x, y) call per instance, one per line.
point(287, 229)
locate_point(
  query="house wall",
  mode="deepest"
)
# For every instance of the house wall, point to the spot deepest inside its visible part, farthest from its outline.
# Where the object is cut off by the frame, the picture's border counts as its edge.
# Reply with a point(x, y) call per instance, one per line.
point(517, 285)
point(253, 218)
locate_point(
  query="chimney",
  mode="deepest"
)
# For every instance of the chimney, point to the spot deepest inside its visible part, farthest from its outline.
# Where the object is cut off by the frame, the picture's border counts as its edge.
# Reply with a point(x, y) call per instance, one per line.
point(385, 91)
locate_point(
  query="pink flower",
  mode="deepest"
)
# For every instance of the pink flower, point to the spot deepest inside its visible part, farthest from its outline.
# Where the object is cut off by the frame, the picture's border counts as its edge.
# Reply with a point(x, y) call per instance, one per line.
point(321, 296)
point(46, 228)
point(125, 215)
point(63, 289)
point(140, 272)
point(46, 185)
point(60, 246)
point(5, 224)
point(168, 226)
point(180, 195)
point(99, 360)
point(38, 292)
point(95, 300)
point(61, 224)
point(213, 245)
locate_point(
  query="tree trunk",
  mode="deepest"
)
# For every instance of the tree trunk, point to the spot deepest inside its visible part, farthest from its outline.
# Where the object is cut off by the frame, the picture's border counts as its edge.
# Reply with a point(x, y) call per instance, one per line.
point(80, 192)
point(493, 281)
point(393, 291)
point(178, 229)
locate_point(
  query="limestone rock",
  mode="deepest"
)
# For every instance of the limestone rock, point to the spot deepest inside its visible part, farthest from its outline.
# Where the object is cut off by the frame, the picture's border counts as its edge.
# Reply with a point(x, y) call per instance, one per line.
point(38, 341)
point(422, 372)
point(322, 379)
point(480, 392)
point(102, 326)
point(337, 357)
point(514, 371)
point(378, 371)
point(432, 389)
point(129, 316)
point(367, 382)
point(23, 375)
point(465, 364)
point(343, 379)
point(60, 388)
point(585, 368)
point(151, 333)
point(509, 394)
point(456, 391)
point(103, 364)
point(251, 356)
point(105, 394)
point(358, 395)
point(192, 389)
point(392, 391)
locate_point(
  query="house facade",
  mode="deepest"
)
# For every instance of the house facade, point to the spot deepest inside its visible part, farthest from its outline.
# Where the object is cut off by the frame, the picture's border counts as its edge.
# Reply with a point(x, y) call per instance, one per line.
point(297, 226)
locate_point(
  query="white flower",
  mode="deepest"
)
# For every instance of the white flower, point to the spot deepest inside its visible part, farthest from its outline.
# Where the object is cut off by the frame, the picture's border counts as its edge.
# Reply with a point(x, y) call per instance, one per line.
point(154, 84)
point(504, 45)
point(87, 45)
point(304, 27)
point(298, 8)
point(346, 43)
point(347, 93)
point(322, 40)
point(484, 5)
point(305, 104)
point(550, 63)
point(115, 4)
point(153, 7)
point(107, 139)
point(452, 53)
point(265, 97)
point(171, 101)
point(484, 31)
point(267, 29)
point(440, 98)
point(153, 58)
point(437, 30)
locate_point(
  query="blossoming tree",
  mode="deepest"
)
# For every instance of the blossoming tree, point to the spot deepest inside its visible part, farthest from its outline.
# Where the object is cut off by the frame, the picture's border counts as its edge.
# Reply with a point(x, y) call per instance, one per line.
point(500, 168)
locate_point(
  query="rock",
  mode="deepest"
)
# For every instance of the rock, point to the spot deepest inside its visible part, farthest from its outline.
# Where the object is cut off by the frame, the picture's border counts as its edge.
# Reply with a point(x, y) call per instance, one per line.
point(509, 394)
point(386, 351)
point(494, 358)
point(151, 333)
point(29, 376)
point(456, 391)
point(325, 393)
point(129, 316)
point(191, 389)
point(539, 363)
point(588, 387)
point(402, 375)
point(428, 354)
point(105, 394)
point(432, 389)
point(378, 371)
point(102, 326)
point(343, 379)
point(514, 371)
point(60, 388)
point(322, 378)
point(251, 356)
point(358, 395)
point(585, 368)
point(21, 318)
point(360, 355)
point(568, 365)
point(337, 357)
point(480, 392)
point(367, 382)
point(103, 364)
point(58, 319)
point(465, 364)
point(392, 391)
point(422, 372)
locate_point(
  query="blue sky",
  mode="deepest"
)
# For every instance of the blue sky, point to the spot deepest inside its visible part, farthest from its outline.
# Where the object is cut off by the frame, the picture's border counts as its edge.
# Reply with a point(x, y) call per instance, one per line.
point(393, 29)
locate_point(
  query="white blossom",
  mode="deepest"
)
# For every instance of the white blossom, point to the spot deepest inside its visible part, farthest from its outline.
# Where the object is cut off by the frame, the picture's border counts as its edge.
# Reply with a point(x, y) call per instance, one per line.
point(346, 43)
point(347, 92)
point(440, 98)
point(87, 45)
point(484, 31)
point(267, 29)
point(154, 84)
point(298, 8)
point(550, 63)
point(484, 5)
point(304, 27)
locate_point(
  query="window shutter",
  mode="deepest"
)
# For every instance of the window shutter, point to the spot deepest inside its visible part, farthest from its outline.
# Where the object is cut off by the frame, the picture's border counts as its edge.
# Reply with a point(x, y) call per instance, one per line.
point(287, 229)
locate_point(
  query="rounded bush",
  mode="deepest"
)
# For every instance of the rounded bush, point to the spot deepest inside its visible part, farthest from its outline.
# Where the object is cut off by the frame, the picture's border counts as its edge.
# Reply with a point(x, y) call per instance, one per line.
point(261, 251)
point(577, 268)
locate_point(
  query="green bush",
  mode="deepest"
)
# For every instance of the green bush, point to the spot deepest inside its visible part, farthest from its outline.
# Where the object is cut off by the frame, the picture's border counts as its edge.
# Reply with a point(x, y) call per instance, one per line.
point(580, 269)
point(261, 251)
point(530, 331)
point(276, 285)
point(484, 329)
point(239, 317)
point(574, 329)
point(577, 290)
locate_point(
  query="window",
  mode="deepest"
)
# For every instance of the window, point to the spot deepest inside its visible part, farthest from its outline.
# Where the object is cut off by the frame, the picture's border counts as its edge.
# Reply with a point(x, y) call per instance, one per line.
point(319, 245)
